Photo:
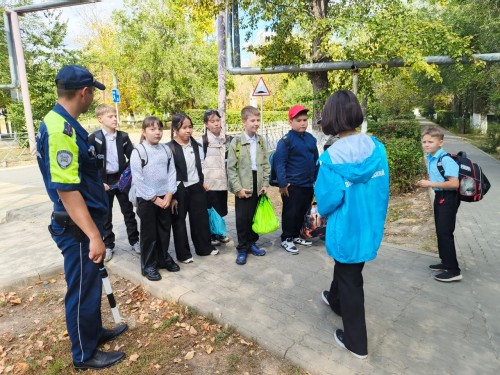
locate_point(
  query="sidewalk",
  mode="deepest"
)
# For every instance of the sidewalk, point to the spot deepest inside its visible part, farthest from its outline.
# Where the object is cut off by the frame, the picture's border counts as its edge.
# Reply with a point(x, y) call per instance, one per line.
point(416, 325)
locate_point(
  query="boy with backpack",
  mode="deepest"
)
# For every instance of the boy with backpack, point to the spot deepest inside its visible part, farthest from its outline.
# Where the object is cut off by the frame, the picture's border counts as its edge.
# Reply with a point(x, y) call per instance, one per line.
point(295, 164)
point(446, 202)
point(113, 148)
point(248, 177)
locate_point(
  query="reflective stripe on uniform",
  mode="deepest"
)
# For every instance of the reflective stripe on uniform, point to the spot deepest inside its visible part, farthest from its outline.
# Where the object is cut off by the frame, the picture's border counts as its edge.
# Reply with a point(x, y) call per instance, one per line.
point(62, 150)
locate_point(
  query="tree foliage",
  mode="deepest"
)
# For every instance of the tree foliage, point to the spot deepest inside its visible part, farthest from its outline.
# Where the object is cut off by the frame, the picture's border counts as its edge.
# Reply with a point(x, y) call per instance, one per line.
point(163, 53)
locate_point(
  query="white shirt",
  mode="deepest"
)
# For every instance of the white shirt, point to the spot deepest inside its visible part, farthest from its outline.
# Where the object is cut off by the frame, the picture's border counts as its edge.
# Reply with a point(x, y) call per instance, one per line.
point(112, 165)
point(253, 150)
point(192, 172)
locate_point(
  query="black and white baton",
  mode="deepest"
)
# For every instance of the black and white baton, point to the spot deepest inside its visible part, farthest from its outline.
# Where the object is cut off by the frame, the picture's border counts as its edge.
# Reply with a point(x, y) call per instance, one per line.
point(109, 293)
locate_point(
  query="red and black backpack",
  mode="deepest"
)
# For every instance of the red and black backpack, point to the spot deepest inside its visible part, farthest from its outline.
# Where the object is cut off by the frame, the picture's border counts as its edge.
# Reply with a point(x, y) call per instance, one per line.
point(473, 182)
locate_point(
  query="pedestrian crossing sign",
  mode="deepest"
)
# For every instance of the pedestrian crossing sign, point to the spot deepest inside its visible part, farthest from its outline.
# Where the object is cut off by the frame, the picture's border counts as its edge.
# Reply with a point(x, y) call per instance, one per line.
point(261, 89)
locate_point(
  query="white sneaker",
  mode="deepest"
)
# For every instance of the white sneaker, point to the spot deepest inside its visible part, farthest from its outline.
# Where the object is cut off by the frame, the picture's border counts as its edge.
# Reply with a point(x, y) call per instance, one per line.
point(214, 242)
point(289, 246)
point(214, 252)
point(301, 241)
point(109, 255)
point(189, 260)
point(137, 247)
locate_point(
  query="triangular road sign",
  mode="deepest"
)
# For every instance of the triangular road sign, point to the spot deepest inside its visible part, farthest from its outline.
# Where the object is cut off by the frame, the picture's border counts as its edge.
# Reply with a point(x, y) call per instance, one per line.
point(261, 89)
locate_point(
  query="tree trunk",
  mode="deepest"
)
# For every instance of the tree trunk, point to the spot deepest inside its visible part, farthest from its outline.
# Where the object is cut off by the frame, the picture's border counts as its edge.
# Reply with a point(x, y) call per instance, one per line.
point(319, 80)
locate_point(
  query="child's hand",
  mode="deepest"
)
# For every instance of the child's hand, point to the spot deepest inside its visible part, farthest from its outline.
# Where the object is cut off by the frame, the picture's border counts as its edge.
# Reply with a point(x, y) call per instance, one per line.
point(243, 193)
point(284, 190)
point(205, 186)
point(106, 187)
point(173, 206)
point(263, 190)
point(424, 183)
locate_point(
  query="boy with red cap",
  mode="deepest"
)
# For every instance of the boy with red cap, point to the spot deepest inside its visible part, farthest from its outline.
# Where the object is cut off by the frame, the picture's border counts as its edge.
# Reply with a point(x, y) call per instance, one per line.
point(295, 162)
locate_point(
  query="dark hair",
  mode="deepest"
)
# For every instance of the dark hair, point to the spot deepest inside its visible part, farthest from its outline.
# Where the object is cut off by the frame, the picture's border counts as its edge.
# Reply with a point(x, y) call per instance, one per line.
point(208, 113)
point(341, 112)
point(67, 94)
point(150, 121)
point(177, 121)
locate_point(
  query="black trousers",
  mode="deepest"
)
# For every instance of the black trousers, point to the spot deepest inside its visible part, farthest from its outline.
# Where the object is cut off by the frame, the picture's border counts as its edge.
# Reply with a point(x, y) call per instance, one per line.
point(347, 298)
point(295, 206)
point(218, 200)
point(127, 210)
point(192, 200)
point(245, 211)
point(446, 205)
point(155, 234)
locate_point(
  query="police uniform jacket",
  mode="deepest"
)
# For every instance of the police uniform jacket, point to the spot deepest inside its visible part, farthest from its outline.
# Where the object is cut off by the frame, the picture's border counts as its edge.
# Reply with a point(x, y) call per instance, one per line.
point(68, 162)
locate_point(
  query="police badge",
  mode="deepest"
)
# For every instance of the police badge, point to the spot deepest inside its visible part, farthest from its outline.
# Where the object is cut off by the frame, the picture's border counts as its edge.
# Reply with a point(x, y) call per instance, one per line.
point(64, 158)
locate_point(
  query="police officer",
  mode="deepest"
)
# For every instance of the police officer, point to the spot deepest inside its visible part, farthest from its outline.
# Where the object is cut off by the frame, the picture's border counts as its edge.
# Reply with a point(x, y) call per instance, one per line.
point(70, 174)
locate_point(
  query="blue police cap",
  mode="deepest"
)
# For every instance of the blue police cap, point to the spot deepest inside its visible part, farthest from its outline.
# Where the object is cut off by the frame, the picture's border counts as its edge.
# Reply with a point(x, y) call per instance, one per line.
point(72, 77)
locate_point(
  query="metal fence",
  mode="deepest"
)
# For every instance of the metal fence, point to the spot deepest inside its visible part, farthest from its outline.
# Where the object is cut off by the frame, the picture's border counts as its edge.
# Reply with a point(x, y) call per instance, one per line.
point(15, 149)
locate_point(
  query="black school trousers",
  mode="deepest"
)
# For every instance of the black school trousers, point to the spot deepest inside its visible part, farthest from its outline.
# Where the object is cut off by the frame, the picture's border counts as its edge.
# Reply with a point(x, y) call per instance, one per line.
point(244, 211)
point(446, 205)
point(295, 206)
point(127, 210)
point(347, 298)
point(192, 200)
point(155, 234)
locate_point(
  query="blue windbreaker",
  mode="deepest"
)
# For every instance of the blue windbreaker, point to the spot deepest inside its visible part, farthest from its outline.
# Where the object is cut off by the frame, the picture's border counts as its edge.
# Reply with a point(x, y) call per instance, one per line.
point(352, 191)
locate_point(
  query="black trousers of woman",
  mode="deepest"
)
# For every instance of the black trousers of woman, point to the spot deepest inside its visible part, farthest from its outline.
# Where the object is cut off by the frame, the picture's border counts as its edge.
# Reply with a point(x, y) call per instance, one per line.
point(192, 200)
point(347, 299)
point(155, 234)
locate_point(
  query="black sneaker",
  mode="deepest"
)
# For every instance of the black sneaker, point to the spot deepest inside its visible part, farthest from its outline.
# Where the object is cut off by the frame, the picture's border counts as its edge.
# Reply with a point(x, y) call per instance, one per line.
point(339, 338)
point(437, 267)
point(447, 277)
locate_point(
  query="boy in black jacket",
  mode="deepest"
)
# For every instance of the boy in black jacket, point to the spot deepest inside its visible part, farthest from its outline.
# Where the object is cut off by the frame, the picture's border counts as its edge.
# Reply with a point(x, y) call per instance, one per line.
point(113, 147)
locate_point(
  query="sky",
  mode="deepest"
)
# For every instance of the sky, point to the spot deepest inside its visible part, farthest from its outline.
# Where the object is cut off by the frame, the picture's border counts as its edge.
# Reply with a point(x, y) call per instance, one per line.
point(74, 15)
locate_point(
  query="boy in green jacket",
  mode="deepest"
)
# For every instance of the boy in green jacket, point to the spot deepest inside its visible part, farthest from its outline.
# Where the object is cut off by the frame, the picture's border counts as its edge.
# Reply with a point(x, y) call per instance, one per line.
point(248, 174)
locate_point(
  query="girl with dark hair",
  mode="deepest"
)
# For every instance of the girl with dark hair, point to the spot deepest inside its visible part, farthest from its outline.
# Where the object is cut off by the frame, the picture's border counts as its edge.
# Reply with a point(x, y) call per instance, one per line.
point(352, 191)
point(191, 196)
point(215, 144)
point(153, 176)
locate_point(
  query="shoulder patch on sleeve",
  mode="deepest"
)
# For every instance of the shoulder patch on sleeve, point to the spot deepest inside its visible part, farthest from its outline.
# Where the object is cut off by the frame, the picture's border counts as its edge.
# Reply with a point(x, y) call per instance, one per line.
point(64, 158)
point(68, 130)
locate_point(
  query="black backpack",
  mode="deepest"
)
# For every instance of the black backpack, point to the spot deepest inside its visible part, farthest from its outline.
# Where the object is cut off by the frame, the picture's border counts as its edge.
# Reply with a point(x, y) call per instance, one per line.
point(473, 182)
point(273, 178)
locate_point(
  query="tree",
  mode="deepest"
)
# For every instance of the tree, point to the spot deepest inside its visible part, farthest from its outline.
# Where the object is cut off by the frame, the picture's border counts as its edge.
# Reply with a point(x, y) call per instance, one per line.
point(45, 53)
point(163, 53)
point(364, 30)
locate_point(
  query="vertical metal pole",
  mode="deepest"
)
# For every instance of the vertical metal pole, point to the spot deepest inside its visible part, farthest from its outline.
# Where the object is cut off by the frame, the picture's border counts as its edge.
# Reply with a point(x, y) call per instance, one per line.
point(23, 80)
point(221, 72)
point(262, 113)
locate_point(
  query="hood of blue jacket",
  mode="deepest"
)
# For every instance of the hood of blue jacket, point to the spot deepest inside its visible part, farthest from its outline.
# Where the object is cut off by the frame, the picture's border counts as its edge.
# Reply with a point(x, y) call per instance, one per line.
point(356, 158)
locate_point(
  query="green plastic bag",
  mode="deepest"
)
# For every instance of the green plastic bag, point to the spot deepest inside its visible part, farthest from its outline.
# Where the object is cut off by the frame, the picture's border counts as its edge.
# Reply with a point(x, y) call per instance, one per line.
point(264, 219)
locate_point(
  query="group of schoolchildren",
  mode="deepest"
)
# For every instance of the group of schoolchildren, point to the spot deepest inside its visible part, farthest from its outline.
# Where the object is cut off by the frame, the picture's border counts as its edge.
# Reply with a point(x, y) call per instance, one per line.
point(350, 181)
point(188, 176)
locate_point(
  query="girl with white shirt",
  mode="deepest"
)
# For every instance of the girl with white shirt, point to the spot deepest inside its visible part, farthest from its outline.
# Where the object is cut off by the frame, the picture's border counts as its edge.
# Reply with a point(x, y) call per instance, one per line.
point(191, 195)
point(154, 178)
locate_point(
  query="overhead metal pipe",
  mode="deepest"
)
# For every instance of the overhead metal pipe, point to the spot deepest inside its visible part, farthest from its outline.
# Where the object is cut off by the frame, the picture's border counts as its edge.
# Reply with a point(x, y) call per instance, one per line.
point(338, 65)
point(51, 5)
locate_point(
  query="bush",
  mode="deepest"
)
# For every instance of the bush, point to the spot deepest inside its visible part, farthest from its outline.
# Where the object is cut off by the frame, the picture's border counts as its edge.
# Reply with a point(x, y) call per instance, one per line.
point(405, 116)
point(405, 163)
point(445, 118)
point(397, 129)
point(492, 141)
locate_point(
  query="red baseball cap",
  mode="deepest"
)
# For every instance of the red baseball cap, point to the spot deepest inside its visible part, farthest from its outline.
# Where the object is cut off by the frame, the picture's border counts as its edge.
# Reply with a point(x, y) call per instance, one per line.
point(295, 110)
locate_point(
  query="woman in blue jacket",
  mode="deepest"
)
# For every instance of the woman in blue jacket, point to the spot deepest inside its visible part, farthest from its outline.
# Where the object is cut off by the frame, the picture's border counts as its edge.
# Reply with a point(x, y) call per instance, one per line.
point(352, 190)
